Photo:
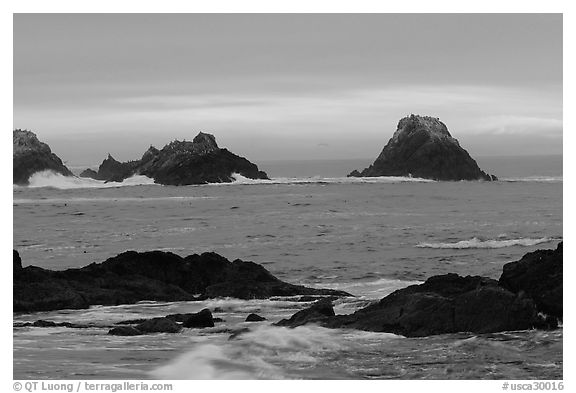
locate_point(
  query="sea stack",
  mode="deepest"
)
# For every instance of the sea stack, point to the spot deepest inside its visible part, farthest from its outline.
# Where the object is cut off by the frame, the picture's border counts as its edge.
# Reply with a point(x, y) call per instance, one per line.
point(29, 156)
point(422, 147)
point(181, 163)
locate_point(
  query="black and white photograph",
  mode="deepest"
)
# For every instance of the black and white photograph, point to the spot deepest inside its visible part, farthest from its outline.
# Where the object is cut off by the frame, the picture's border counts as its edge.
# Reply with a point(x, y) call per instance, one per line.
point(273, 196)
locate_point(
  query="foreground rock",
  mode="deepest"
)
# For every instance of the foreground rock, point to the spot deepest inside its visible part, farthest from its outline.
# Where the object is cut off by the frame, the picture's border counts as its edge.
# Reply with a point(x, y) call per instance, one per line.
point(443, 304)
point(159, 325)
point(131, 277)
point(449, 303)
point(29, 156)
point(319, 312)
point(44, 323)
point(181, 163)
point(422, 147)
point(16, 260)
point(201, 319)
point(125, 331)
point(254, 318)
point(539, 275)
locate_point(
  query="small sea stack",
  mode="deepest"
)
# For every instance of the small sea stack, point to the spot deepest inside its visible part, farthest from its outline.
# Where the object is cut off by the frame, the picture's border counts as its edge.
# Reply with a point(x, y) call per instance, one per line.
point(423, 147)
point(29, 156)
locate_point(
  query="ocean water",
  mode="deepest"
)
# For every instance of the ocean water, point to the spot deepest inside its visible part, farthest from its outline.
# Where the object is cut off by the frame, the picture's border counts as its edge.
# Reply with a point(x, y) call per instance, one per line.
point(307, 226)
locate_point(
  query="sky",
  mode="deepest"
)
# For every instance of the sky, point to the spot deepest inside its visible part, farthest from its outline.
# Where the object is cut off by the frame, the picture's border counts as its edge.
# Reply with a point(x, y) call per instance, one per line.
point(286, 86)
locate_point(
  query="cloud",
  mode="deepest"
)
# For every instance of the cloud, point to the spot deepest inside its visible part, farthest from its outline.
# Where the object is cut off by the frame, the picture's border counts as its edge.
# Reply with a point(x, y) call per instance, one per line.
point(520, 125)
point(350, 120)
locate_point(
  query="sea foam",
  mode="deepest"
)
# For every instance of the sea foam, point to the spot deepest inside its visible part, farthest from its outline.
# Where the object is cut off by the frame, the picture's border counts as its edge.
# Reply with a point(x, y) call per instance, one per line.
point(490, 243)
point(264, 352)
point(537, 179)
point(239, 179)
point(55, 180)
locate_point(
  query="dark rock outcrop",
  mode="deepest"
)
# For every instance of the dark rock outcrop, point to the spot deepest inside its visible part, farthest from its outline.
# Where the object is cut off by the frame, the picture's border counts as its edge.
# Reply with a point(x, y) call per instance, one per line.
point(113, 170)
point(16, 260)
point(254, 318)
point(44, 323)
point(318, 313)
point(182, 163)
point(125, 331)
point(446, 304)
point(528, 295)
point(200, 319)
point(422, 147)
point(29, 156)
point(539, 275)
point(159, 325)
point(89, 173)
point(443, 304)
point(160, 276)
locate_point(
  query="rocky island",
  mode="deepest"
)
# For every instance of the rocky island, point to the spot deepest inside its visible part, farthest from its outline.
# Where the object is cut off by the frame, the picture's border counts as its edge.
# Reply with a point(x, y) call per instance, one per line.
point(422, 147)
point(29, 156)
point(181, 163)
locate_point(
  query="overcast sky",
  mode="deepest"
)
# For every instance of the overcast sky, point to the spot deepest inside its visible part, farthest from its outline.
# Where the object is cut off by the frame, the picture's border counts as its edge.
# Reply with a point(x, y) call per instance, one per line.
point(288, 86)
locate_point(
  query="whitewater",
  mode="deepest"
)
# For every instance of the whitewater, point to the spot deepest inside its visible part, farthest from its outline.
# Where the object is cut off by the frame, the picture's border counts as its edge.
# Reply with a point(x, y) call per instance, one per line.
point(365, 236)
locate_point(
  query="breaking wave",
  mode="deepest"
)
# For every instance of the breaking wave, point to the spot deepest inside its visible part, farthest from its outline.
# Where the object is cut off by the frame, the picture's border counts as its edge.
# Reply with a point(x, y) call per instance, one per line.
point(538, 179)
point(55, 180)
point(267, 352)
point(490, 243)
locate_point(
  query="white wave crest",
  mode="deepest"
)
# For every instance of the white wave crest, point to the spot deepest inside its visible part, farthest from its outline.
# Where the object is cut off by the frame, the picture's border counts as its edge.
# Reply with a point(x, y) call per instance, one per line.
point(539, 179)
point(264, 352)
point(239, 179)
point(491, 243)
point(55, 180)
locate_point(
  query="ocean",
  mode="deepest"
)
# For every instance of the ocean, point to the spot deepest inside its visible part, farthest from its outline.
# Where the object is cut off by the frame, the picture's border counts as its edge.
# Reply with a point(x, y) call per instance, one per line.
point(309, 225)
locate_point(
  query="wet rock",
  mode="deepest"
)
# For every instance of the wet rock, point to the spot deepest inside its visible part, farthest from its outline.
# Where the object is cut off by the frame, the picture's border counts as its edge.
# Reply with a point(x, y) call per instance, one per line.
point(43, 323)
point(75, 325)
point(132, 321)
point(179, 317)
point(318, 313)
point(21, 324)
point(159, 325)
point(201, 319)
point(422, 147)
point(29, 156)
point(539, 275)
point(254, 318)
point(124, 331)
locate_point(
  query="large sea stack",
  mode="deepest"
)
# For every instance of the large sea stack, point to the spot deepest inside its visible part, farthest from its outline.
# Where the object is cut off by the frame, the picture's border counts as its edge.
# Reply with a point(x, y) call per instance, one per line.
point(29, 156)
point(422, 147)
point(181, 163)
